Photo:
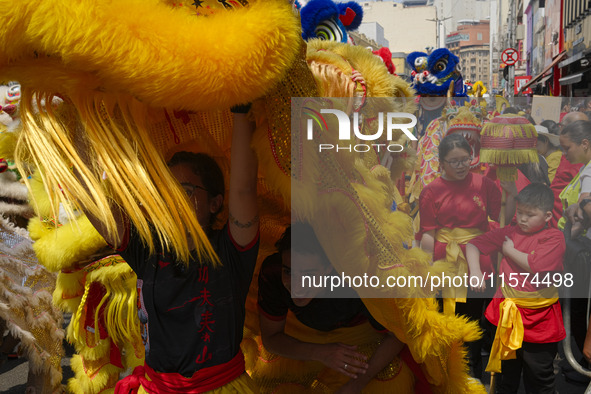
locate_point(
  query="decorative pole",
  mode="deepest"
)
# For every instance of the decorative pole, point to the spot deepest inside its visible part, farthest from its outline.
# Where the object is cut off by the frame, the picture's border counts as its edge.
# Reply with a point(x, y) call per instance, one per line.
point(507, 141)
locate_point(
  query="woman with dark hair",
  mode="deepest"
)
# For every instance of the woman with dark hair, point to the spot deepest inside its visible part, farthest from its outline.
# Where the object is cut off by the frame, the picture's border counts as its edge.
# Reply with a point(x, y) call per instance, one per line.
point(536, 172)
point(510, 110)
point(551, 125)
point(454, 209)
point(575, 140)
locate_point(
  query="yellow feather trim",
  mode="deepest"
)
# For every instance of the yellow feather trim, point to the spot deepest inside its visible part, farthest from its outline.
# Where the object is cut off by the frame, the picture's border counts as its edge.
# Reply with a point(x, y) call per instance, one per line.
point(69, 288)
point(92, 376)
point(163, 56)
point(380, 83)
point(67, 245)
point(120, 311)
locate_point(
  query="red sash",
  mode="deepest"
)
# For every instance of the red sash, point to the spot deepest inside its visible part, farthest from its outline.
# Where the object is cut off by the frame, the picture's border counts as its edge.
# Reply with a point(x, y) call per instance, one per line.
point(421, 384)
point(204, 380)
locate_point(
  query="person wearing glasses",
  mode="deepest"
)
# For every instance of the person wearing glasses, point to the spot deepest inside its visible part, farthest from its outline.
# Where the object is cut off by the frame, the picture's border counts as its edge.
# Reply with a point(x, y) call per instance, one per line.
point(454, 209)
point(194, 313)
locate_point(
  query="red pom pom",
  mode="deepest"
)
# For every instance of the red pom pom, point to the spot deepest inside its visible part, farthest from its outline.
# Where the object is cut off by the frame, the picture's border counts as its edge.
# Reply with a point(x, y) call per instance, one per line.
point(453, 102)
point(3, 165)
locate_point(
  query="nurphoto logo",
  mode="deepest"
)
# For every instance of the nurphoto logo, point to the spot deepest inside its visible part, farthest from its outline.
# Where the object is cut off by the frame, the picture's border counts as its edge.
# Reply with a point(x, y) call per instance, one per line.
point(391, 119)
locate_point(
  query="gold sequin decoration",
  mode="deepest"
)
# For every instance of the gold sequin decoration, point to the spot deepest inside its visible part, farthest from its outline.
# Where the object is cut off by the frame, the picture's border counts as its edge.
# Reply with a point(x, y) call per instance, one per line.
point(27, 289)
point(389, 371)
point(298, 82)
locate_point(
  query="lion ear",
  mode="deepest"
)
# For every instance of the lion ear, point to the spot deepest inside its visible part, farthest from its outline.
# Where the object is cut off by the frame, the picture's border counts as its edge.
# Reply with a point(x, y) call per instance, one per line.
point(410, 59)
point(350, 15)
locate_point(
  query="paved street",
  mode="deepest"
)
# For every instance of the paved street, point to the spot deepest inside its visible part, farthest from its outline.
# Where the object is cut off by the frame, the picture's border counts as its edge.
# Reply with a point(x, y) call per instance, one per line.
point(13, 374)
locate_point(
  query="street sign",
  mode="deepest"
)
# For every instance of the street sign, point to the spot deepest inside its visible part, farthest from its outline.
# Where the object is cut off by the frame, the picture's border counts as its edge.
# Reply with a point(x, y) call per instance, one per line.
point(520, 81)
point(510, 56)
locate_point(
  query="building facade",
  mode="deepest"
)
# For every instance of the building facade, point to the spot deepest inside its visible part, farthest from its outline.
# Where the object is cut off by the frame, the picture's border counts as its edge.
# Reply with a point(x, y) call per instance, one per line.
point(576, 68)
point(470, 42)
point(406, 28)
point(375, 32)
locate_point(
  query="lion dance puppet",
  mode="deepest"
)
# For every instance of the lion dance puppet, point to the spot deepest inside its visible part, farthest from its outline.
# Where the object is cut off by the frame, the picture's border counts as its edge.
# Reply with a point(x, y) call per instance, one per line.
point(26, 304)
point(142, 95)
point(434, 76)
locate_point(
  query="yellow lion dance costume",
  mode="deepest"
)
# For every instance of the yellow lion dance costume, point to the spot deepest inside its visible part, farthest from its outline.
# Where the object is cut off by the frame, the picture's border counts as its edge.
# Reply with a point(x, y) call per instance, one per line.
point(140, 94)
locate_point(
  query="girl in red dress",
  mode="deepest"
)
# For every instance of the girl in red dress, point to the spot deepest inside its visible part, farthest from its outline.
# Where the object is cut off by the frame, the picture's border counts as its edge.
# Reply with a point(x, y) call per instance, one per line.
point(454, 209)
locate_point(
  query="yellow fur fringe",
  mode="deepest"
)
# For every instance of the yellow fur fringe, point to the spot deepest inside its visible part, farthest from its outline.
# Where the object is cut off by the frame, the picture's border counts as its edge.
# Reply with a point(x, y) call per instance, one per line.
point(121, 322)
point(163, 56)
point(358, 210)
point(509, 157)
point(135, 173)
point(91, 378)
point(509, 132)
point(113, 126)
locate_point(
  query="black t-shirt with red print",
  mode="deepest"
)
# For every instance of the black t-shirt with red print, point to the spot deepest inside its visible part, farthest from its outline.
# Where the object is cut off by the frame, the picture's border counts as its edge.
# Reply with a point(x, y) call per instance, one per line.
point(195, 314)
point(323, 314)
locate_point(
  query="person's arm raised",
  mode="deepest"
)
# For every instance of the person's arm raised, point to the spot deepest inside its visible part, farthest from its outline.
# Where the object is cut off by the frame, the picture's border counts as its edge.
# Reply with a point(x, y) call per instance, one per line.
point(243, 207)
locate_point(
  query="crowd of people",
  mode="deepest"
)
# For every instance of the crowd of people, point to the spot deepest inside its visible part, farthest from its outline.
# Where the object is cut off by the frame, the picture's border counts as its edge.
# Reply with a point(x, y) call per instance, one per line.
point(546, 196)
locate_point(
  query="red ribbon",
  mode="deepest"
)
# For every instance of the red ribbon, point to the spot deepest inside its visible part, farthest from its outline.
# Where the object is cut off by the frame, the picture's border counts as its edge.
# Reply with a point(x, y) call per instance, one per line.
point(204, 380)
point(421, 384)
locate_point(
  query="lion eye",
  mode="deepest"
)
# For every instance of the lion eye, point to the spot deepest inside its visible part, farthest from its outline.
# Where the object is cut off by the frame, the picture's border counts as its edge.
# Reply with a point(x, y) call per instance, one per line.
point(329, 30)
point(440, 65)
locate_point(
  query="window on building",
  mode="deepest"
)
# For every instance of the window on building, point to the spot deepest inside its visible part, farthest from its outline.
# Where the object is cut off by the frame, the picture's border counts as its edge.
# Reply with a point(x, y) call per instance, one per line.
point(479, 36)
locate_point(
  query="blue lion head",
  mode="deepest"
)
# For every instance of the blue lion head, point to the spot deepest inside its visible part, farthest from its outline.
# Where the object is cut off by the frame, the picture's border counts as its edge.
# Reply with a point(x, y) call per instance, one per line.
point(327, 20)
point(432, 74)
